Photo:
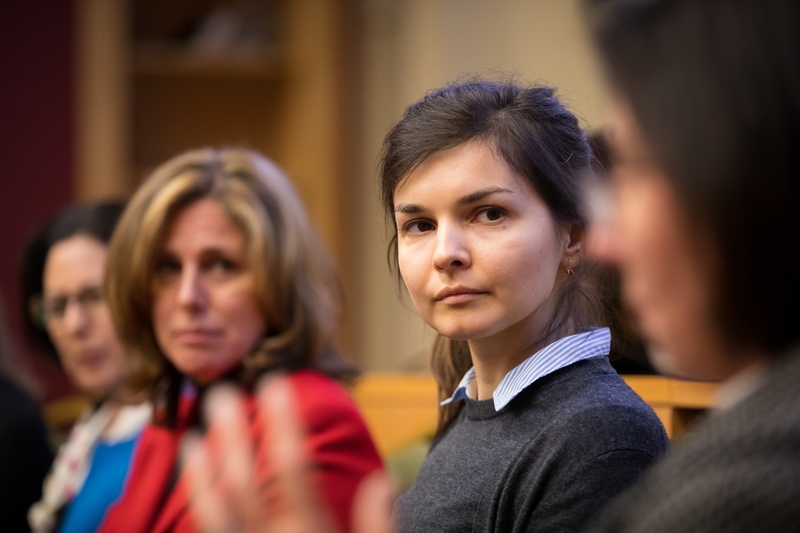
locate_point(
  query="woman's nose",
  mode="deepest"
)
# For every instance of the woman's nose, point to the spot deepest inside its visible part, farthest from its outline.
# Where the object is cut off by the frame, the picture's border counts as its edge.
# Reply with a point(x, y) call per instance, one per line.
point(191, 292)
point(452, 248)
point(76, 318)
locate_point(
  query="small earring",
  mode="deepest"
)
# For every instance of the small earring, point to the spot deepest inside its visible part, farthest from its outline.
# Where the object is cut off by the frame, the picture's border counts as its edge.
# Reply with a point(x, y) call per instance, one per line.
point(568, 269)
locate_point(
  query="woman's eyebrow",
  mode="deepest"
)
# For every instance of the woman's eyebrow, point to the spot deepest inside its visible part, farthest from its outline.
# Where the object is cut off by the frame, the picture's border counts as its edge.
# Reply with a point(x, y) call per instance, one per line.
point(408, 208)
point(476, 196)
point(214, 250)
point(471, 198)
point(163, 253)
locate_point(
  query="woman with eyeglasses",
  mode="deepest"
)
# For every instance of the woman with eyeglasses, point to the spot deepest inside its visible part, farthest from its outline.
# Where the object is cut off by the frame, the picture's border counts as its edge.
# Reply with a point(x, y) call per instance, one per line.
point(67, 319)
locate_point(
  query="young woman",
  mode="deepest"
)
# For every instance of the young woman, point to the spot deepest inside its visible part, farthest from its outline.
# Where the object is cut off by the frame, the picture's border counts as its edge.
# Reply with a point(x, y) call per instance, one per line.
point(537, 432)
point(67, 318)
point(216, 276)
point(706, 132)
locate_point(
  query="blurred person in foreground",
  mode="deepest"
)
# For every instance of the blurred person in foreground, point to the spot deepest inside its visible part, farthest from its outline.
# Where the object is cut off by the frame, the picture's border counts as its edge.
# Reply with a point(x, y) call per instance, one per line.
point(702, 218)
point(66, 318)
point(25, 455)
point(218, 277)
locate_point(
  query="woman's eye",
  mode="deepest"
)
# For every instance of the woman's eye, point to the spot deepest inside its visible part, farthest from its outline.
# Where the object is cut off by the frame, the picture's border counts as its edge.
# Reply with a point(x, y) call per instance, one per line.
point(418, 226)
point(167, 266)
point(490, 214)
point(223, 265)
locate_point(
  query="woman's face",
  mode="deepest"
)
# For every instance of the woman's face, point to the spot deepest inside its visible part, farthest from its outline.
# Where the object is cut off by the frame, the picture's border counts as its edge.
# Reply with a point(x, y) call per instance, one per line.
point(206, 313)
point(478, 250)
point(77, 319)
point(664, 264)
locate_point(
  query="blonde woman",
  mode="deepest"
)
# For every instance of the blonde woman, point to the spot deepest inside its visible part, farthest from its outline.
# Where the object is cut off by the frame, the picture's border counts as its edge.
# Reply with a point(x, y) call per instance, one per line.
point(216, 275)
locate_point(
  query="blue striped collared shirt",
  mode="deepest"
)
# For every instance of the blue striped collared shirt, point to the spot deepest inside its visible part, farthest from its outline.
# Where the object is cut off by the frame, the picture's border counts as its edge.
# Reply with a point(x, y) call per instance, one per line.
point(552, 357)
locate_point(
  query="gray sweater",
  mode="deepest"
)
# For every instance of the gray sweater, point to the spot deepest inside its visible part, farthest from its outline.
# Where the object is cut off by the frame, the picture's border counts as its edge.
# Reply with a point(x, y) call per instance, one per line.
point(736, 472)
point(548, 461)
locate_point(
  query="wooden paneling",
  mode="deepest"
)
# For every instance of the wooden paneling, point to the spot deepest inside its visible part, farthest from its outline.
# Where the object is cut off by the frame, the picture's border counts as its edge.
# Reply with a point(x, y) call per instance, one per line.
point(400, 408)
point(101, 100)
point(397, 407)
point(177, 112)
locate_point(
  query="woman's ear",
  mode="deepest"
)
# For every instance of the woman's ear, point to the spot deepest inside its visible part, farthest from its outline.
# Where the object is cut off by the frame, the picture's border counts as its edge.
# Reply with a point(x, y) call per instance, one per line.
point(573, 251)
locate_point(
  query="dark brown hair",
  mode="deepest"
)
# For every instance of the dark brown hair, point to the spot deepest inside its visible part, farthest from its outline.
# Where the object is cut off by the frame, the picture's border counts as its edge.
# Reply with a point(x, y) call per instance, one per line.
point(541, 141)
point(715, 88)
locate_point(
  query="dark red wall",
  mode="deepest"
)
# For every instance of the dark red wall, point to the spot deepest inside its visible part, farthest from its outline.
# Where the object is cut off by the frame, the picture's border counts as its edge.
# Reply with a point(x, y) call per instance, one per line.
point(36, 132)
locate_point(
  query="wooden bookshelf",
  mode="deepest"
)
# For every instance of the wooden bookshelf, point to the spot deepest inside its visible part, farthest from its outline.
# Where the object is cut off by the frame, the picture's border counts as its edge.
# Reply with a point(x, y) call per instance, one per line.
point(148, 88)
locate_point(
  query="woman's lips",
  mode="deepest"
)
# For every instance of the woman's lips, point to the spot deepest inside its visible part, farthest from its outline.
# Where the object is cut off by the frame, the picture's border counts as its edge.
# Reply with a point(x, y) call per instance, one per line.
point(91, 358)
point(458, 295)
point(197, 336)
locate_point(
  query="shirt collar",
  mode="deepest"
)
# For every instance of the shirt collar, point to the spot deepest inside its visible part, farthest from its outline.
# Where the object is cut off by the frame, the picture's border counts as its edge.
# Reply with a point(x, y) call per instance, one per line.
point(552, 357)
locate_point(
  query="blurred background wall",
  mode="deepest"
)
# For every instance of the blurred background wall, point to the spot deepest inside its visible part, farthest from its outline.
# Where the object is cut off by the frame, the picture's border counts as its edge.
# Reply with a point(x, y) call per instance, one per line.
point(36, 139)
point(96, 93)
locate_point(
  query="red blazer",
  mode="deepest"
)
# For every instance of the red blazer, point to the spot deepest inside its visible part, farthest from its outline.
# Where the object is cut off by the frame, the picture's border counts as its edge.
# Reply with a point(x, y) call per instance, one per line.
point(338, 446)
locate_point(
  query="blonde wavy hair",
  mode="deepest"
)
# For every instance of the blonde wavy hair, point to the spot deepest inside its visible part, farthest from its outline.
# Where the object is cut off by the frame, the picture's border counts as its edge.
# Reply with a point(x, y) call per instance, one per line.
point(296, 284)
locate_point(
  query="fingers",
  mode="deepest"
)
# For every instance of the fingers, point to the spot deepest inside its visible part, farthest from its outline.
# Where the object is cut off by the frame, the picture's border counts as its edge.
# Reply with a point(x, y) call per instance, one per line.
point(227, 416)
point(207, 505)
point(301, 512)
point(283, 433)
point(372, 506)
point(220, 468)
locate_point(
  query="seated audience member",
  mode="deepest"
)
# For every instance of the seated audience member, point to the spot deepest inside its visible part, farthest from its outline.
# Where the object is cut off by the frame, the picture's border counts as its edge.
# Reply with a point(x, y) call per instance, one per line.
point(217, 276)
point(705, 134)
point(67, 318)
point(481, 182)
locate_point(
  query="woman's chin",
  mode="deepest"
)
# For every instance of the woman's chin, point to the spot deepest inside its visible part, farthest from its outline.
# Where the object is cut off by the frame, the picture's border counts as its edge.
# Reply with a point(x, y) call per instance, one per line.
point(688, 367)
point(458, 333)
point(663, 361)
point(100, 391)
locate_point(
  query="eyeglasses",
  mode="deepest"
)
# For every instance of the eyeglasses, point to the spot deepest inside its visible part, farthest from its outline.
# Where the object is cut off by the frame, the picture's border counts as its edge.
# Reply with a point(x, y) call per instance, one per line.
point(52, 310)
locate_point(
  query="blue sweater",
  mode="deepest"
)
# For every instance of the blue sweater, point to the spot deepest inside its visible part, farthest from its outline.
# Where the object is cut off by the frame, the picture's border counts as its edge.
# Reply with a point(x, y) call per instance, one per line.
point(103, 485)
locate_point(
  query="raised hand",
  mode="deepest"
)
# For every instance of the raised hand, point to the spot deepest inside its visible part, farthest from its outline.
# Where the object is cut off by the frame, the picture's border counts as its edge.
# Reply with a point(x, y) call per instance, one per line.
point(225, 495)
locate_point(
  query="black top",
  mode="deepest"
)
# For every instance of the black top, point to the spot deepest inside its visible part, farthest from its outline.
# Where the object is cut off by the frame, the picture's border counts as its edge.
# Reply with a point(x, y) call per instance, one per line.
point(25, 456)
point(548, 461)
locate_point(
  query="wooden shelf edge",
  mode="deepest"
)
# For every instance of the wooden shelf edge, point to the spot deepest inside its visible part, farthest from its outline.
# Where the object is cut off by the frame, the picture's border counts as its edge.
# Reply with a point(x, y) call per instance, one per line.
point(180, 60)
point(674, 392)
